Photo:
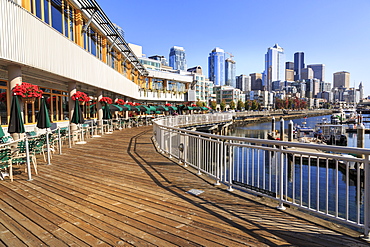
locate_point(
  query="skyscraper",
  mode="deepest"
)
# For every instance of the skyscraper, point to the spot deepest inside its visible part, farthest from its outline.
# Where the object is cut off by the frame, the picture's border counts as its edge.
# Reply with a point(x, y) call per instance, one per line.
point(306, 74)
point(243, 82)
point(289, 71)
point(230, 72)
point(256, 81)
point(298, 65)
point(318, 71)
point(341, 79)
point(274, 66)
point(216, 66)
point(177, 58)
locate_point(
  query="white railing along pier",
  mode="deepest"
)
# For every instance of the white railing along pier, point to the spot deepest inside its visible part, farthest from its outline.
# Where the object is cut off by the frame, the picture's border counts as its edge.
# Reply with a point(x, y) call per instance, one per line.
point(322, 179)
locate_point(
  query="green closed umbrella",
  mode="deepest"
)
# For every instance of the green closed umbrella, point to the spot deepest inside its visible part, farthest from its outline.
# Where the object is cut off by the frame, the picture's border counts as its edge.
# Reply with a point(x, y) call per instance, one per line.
point(43, 120)
point(142, 108)
point(106, 112)
point(16, 124)
point(77, 117)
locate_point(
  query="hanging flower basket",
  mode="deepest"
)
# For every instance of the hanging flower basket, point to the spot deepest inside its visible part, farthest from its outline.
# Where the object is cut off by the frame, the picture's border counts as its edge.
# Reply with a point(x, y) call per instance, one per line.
point(106, 100)
point(81, 97)
point(28, 92)
point(120, 102)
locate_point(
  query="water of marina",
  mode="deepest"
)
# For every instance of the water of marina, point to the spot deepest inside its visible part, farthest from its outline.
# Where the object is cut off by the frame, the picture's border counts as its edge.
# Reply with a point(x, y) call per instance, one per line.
point(260, 131)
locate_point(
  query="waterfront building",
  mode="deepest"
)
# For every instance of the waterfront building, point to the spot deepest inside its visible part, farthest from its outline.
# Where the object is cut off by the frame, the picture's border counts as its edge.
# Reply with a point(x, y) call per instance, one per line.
point(298, 65)
point(89, 55)
point(203, 88)
point(256, 81)
point(216, 66)
point(162, 59)
point(177, 58)
point(341, 79)
point(243, 82)
point(318, 71)
point(274, 66)
point(306, 74)
point(230, 72)
point(289, 71)
point(228, 94)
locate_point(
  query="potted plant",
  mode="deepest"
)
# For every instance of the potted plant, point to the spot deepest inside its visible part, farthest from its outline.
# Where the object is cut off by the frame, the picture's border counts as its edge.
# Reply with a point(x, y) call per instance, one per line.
point(28, 91)
point(81, 97)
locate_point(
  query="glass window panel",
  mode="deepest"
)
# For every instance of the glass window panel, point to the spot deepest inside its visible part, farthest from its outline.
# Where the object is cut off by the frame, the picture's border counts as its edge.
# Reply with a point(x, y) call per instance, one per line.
point(56, 15)
point(38, 8)
point(46, 11)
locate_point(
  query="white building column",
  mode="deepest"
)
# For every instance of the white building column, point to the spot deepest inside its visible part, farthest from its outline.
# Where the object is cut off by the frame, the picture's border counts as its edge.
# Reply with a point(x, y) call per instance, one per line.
point(99, 107)
point(71, 103)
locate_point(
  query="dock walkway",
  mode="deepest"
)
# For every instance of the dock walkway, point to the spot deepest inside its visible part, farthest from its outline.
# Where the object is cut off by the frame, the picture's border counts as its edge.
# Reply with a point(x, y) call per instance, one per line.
point(116, 190)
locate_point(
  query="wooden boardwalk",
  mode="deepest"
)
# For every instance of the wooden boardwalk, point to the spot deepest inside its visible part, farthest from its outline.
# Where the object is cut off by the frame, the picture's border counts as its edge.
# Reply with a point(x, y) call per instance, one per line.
point(118, 191)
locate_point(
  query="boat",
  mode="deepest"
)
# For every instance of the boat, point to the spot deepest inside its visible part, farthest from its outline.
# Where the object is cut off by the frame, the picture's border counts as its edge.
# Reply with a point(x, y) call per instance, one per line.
point(338, 116)
point(331, 134)
point(350, 115)
point(306, 134)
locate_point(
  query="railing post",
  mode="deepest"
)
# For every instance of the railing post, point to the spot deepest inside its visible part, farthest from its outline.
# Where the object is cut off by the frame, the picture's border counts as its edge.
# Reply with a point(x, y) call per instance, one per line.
point(218, 162)
point(199, 152)
point(59, 141)
point(28, 159)
point(281, 179)
point(230, 188)
point(170, 143)
point(366, 235)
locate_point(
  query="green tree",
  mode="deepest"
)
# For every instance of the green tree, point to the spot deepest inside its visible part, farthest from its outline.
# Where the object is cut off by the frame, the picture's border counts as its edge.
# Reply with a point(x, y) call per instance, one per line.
point(223, 105)
point(255, 105)
point(214, 104)
point(248, 105)
point(232, 105)
point(199, 103)
point(240, 105)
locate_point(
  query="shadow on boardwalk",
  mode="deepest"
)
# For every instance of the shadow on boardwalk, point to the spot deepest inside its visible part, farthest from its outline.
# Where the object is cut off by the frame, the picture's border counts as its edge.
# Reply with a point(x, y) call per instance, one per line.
point(117, 190)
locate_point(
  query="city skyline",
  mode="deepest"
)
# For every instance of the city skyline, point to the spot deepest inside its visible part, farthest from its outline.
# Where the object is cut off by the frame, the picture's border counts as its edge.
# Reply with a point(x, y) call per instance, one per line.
point(330, 33)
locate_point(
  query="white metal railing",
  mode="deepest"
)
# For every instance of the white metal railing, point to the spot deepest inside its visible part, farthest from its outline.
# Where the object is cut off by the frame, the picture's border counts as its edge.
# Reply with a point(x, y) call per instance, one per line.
point(322, 179)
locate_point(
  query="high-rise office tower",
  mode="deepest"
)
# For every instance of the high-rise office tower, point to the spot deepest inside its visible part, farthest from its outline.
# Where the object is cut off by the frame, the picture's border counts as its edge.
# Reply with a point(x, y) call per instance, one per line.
point(318, 71)
point(341, 79)
point(289, 71)
point(230, 72)
point(306, 74)
point(274, 66)
point(216, 66)
point(177, 58)
point(256, 81)
point(298, 65)
point(243, 82)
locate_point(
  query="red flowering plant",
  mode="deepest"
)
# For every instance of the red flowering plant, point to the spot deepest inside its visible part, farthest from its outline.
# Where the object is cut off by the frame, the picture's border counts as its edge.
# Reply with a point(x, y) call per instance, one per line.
point(3, 97)
point(106, 100)
point(120, 102)
point(27, 90)
point(167, 104)
point(80, 96)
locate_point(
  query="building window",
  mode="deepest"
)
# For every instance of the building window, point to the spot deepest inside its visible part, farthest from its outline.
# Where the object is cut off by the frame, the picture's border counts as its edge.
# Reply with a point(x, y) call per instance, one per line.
point(3, 103)
point(56, 15)
point(57, 103)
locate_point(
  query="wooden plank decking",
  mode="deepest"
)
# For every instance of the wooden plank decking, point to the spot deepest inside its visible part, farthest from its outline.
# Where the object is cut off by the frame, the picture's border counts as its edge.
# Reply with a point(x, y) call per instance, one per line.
point(118, 191)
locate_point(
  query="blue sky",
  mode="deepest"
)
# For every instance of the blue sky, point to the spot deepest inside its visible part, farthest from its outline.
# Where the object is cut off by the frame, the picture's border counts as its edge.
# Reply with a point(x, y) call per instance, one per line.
point(333, 32)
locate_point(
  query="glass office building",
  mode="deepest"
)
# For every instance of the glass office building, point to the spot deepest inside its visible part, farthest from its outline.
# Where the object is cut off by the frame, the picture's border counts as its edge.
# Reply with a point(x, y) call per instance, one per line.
point(274, 66)
point(216, 66)
point(177, 58)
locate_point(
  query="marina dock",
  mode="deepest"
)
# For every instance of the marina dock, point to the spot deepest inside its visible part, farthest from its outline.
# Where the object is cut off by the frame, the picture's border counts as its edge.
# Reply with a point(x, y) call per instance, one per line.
point(117, 190)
